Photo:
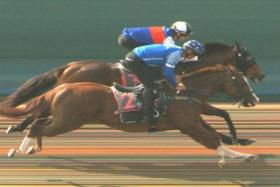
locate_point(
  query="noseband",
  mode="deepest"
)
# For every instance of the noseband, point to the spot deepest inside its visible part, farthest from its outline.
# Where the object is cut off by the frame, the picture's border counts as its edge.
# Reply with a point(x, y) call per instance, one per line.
point(236, 78)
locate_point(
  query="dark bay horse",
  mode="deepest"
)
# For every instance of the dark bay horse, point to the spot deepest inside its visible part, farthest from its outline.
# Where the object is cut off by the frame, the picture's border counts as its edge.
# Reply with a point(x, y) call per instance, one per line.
point(56, 111)
point(220, 53)
point(105, 73)
point(69, 106)
point(202, 84)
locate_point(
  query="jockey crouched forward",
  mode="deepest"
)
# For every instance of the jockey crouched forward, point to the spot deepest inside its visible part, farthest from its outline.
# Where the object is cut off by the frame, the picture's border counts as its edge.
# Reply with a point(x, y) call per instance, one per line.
point(164, 56)
point(139, 36)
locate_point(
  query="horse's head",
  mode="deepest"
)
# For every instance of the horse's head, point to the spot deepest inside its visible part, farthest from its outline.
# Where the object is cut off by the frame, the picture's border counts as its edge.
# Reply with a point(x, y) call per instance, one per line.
point(219, 78)
point(246, 63)
point(237, 86)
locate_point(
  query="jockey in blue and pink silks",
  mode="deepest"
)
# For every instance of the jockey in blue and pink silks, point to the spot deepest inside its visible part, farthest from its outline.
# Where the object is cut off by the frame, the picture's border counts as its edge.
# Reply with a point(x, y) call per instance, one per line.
point(141, 61)
point(140, 36)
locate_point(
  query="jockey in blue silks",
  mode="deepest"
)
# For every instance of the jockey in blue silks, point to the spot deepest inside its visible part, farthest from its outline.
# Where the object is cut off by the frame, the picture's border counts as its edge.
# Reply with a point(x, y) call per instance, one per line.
point(140, 36)
point(165, 56)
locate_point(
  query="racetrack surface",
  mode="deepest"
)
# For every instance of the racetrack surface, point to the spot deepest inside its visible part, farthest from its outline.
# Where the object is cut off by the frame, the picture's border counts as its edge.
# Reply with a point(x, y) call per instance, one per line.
point(99, 156)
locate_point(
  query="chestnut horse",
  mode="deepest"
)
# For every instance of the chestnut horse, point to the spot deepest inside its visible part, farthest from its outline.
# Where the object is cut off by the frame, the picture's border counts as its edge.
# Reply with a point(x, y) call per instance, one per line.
point(200, 85)
point(105, 73)
point(55, 112)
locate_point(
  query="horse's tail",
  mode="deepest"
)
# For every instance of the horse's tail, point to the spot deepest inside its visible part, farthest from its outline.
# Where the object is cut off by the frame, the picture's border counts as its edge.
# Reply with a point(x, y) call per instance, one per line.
point(33, 87)
point(37, 107)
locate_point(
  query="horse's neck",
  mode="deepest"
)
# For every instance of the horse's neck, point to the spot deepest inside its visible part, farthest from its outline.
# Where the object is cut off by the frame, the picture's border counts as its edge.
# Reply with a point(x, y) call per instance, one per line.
point(225, 57)
point(218, 53)
point(204, 85)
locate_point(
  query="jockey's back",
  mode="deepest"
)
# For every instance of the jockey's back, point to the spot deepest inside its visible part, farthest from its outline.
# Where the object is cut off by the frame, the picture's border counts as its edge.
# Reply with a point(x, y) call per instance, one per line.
point(148, 35)
point(156, 54)
point(162, 55)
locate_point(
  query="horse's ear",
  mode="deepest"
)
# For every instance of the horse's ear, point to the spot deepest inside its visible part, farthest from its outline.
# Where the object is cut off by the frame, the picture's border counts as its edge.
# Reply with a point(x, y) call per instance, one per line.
point(237, 44)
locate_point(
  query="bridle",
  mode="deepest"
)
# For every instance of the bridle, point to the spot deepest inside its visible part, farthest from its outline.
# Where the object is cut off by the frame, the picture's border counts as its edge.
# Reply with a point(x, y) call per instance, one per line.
point(244, 60)
point(236, 76)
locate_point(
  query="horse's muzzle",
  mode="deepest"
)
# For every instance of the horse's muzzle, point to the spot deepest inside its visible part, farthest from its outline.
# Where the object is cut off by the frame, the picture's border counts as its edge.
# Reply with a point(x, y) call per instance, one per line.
point(250, 101)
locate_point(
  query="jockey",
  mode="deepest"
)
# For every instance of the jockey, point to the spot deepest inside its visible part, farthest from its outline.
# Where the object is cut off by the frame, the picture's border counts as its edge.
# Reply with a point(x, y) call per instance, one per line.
point(140, 36)
point(164, 56)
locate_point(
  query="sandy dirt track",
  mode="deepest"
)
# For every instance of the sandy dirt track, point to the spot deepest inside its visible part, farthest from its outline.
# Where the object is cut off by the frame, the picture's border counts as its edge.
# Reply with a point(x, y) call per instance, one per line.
point(98, 156)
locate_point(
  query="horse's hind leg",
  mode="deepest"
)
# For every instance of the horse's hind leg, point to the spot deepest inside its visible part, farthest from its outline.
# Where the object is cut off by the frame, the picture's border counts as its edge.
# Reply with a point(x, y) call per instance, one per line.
point(39, 123)
point(24, 146)
point(20, 127)
point(38, 148)
point(50, 130)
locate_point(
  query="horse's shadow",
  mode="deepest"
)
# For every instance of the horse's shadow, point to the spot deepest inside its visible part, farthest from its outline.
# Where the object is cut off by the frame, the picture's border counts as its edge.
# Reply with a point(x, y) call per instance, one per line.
point(258, 172)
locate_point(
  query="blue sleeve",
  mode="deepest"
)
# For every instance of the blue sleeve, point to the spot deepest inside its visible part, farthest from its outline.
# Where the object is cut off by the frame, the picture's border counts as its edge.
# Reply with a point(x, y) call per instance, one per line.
point(170, 75)
point(171, 61)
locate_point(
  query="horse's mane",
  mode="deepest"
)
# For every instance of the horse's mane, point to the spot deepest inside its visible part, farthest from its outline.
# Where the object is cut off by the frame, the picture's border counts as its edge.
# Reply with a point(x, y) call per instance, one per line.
point(216, 47)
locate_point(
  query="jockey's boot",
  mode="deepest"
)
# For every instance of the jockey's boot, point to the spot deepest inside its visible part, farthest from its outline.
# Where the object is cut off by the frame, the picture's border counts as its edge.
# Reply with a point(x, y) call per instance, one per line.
point(152, 124)
point(148, 110)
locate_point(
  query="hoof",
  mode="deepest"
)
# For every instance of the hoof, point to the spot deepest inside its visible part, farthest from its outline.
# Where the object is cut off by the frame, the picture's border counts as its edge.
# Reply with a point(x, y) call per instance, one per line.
point(251, 158)
point(31, 150)
point(222, 163)
point(11, 153)
point(235, 141)
point(152, 129)
point(10, 129)
point(244, 142)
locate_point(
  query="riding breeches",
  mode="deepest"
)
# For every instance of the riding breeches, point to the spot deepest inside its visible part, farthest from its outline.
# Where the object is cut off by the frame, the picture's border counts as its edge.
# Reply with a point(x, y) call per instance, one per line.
point(128, 42)
point(146, 74)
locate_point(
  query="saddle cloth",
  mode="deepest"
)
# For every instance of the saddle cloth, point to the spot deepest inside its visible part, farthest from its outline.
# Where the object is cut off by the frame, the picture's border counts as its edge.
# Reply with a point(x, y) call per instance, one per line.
point(130, 106)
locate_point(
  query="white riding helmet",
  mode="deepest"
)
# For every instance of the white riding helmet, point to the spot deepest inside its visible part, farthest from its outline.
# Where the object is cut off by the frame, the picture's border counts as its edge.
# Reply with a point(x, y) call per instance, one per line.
point(181, 27)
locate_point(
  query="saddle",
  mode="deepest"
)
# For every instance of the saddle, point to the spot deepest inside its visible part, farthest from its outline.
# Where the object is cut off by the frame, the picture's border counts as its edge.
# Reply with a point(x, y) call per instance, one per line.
point(130, 102)
point(127, 77)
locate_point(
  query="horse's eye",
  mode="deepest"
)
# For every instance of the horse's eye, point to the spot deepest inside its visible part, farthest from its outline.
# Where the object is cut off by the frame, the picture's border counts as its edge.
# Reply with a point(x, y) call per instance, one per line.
point(233, 77)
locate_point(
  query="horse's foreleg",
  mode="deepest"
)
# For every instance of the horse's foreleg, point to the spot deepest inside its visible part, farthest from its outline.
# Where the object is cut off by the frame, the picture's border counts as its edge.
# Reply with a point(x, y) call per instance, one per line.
point(233, 140)
point(196, 130)
point(226, 152)
point(210, 139)
point(224, 138)
point(213, 111)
